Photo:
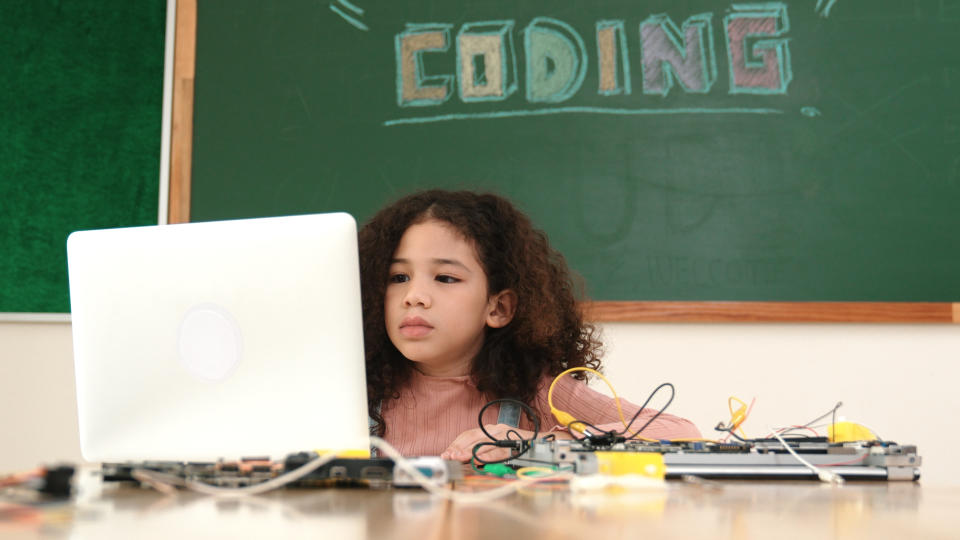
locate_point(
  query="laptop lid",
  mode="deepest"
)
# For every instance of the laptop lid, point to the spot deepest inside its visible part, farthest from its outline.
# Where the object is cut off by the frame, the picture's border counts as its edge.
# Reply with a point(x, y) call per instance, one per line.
point(221, 339)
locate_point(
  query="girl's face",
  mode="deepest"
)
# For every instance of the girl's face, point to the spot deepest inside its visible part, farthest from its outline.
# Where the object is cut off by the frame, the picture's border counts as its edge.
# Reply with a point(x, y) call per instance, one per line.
point(437, 306)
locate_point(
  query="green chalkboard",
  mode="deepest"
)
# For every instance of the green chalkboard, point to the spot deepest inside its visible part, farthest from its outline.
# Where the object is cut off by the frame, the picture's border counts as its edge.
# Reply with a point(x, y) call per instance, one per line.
point(81, 86)
point(673, 150)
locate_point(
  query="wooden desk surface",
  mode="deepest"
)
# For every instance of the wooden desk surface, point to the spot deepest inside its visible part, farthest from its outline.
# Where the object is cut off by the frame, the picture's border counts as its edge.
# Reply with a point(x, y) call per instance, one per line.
point(770, 509)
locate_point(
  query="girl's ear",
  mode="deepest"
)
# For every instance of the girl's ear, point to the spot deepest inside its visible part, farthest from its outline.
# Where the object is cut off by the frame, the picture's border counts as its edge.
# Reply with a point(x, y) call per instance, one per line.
point(500, 308)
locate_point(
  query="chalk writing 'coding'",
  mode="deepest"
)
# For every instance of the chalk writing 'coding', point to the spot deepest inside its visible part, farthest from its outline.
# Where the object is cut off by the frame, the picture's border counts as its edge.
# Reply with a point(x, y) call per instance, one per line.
point(483, 67)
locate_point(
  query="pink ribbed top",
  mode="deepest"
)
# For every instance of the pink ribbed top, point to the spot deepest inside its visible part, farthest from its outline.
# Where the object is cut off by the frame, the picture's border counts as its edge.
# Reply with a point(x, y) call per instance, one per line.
point(432, 411)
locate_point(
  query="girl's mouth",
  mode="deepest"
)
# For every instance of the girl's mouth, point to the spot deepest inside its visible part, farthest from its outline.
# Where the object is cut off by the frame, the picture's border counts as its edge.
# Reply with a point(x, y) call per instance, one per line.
point(415, 327)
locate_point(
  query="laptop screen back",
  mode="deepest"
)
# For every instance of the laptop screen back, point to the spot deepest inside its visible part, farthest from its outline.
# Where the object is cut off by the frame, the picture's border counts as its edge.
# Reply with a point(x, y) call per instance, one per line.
point(216, 340)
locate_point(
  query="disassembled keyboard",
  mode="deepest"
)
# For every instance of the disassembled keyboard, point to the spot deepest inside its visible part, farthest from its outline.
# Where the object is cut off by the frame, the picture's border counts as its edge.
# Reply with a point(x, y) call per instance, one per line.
point(757, 459)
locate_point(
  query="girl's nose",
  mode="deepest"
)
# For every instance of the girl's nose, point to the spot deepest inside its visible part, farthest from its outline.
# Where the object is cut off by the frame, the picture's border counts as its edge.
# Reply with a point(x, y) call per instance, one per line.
point(416, 296)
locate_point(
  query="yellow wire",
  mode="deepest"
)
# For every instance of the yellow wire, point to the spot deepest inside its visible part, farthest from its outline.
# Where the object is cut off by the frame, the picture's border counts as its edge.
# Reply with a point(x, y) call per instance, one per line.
point(532, 472)
point(565, 418)
point(737, 418)
point(524, 471)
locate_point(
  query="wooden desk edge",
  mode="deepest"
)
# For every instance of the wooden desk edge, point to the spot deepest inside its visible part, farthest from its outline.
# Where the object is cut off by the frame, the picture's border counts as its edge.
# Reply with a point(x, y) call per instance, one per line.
point(853, 312)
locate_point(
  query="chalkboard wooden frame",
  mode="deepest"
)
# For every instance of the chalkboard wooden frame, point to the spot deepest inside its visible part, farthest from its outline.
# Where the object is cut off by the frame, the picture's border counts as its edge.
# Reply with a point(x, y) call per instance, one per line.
point(605, 311)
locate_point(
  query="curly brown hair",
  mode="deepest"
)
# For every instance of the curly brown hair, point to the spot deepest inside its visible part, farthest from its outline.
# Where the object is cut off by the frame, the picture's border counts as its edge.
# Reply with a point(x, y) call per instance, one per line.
point(547, 334)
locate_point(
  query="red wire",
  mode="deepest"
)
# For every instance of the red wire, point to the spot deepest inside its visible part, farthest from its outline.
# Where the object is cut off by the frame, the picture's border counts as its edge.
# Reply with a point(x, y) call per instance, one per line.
point(19, 478)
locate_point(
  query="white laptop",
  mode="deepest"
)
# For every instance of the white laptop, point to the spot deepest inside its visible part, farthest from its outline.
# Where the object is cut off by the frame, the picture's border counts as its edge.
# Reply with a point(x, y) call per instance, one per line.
point(216, 340)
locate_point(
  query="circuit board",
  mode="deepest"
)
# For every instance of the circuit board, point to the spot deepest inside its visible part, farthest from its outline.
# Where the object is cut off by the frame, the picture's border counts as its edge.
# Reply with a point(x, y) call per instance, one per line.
point(339, 472)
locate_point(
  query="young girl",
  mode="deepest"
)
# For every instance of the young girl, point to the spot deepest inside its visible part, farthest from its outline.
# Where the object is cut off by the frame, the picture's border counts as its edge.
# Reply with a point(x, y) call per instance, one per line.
point(464, 301)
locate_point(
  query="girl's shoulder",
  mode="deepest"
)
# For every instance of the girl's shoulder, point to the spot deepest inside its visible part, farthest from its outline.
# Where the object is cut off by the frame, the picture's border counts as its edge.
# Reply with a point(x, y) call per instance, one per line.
point(565, 385)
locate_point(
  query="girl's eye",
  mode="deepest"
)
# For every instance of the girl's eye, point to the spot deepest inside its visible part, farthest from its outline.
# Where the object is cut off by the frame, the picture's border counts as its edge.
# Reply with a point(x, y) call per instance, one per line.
point(447, 279)
point(399, 278)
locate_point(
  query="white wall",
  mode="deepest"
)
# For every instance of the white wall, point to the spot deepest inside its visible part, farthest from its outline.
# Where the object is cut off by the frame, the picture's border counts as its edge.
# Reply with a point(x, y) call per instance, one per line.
point(899, 380)
point(38, 401)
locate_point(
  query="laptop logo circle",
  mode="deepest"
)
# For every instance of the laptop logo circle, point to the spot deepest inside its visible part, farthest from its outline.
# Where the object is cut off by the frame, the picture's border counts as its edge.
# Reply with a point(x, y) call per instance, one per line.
point(209, 342)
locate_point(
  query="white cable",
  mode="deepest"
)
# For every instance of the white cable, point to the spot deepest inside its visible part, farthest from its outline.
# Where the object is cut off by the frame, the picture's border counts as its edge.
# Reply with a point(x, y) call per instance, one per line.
point(823, 474)
point(458, 496)
point(165, 483)
point(157, 479)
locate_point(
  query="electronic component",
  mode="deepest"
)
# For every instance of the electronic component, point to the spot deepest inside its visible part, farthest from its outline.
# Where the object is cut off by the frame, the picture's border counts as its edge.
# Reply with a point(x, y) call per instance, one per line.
point(437, 470)
point(49, 482)
point(765, 458)
point(370, 472)
point(375, 472)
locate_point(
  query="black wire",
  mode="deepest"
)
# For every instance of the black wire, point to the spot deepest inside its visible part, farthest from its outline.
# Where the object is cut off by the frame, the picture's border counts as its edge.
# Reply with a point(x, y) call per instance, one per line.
point(588, 425)
point(720, 427)
point(599, 437)
point(613, 436)
point(833, 421)
point(523, 444)
point(482, 462)
point(514, 453)
point(531, 414)
point(731, 431)
point(673, 392)
point(832, 411)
